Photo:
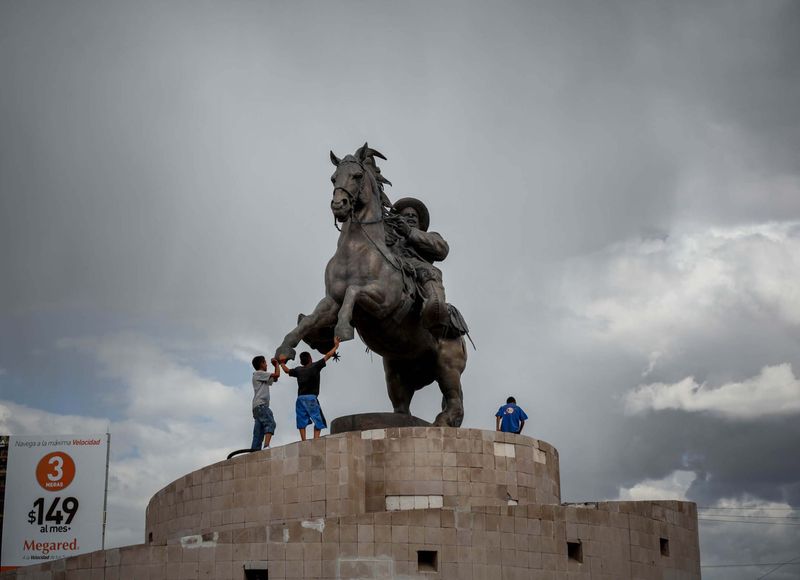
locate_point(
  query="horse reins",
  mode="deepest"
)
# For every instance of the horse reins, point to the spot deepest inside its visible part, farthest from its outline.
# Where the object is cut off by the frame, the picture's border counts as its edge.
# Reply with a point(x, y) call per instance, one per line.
point(353, 219)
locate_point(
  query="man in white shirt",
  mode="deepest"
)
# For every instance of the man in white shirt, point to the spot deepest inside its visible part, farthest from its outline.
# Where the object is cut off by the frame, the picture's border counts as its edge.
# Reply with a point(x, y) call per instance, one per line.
point(264, 425)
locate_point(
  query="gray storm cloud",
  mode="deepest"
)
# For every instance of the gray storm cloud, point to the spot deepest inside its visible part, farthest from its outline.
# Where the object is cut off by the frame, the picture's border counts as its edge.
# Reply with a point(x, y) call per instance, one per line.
point(619, 184)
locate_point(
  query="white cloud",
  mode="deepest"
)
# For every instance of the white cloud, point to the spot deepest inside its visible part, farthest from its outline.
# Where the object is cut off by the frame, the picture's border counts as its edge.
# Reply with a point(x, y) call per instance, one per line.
point(673, 486)
point(774, 391)
point(157, 385)
point(742, 529)
point(748, 530)
point(652, 361)
point(20, 420)
point(173, 421)
point(751, 506)
point(647, 295)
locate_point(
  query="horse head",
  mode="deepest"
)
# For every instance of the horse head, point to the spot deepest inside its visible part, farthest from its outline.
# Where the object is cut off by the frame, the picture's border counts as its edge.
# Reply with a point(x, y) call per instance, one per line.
point(356, 193)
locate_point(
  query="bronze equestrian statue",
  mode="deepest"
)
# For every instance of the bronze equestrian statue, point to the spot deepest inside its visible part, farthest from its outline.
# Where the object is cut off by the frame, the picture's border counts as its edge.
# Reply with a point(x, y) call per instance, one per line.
point(381, 281)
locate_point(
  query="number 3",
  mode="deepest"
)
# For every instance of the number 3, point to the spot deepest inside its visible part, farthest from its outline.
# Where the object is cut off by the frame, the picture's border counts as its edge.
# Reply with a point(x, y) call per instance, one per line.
point(58, 468)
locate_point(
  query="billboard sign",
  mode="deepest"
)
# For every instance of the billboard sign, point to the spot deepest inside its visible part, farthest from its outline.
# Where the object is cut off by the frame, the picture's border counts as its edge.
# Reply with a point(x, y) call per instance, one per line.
point(55, 498)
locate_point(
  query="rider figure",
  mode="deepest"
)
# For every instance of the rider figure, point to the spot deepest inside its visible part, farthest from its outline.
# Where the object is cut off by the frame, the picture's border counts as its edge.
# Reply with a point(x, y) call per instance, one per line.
point(426, 247)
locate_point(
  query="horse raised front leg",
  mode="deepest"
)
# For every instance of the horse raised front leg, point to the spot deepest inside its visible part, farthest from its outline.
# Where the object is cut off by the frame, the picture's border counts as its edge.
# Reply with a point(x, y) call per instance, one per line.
point(371, 297)
point(344, 327)
point(323, 315)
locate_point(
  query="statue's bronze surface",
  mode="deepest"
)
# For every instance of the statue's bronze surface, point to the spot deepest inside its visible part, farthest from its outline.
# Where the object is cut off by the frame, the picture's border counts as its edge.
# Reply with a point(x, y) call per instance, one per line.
point(382, 282)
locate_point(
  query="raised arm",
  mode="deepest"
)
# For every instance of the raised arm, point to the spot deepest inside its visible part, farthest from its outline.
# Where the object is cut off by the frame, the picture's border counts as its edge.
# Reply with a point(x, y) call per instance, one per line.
point(429, 243)
point(332, 351)
point(282, 362)
point(277, 372)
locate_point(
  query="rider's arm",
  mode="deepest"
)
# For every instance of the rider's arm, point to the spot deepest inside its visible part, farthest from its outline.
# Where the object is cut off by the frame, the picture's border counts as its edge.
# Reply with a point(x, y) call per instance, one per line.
point(429, 243)
point(332, 351)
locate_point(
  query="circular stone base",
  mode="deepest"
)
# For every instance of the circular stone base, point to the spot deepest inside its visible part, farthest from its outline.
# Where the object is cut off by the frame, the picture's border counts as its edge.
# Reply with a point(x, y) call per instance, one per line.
point(368, 421)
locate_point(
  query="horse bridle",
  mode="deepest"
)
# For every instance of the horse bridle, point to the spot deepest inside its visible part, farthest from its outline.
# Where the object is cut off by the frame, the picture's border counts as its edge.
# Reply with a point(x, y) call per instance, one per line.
point(353, 198)
point(353, 219)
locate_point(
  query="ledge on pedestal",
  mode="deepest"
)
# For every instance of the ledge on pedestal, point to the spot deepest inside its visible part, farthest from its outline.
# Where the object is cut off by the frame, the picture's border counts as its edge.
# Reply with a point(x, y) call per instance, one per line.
point(368, 421)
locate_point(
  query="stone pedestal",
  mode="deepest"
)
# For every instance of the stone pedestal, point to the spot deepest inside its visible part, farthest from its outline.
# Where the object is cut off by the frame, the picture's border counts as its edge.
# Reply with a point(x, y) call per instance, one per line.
point(418, 502)
point(370, 421)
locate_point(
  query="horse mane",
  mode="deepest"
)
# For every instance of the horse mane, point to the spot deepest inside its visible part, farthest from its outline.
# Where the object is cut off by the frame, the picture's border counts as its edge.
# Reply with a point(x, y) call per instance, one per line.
point(371, 165)
point(391, 219)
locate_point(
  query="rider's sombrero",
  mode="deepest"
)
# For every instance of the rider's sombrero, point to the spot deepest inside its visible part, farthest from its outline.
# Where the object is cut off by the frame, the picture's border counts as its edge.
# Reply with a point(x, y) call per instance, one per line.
point(422, 211)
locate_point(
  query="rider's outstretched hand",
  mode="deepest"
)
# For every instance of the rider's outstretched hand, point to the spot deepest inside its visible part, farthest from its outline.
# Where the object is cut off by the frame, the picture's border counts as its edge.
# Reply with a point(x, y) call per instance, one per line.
point(403, 227)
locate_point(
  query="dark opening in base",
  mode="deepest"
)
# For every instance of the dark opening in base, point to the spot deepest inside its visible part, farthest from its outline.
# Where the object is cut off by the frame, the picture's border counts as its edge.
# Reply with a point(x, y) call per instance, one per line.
point(575, 551)
point(256, 574)
point(664, 542)
point(427, 561)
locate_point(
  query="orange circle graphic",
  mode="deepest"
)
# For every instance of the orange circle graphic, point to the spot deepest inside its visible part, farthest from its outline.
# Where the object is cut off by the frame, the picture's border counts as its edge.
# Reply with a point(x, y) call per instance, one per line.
point(55, 471)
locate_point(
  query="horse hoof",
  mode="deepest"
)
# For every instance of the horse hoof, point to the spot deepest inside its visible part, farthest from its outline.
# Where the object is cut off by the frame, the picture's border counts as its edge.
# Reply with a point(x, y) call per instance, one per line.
point(441, 421)
point(346, 333)
point(288, 352)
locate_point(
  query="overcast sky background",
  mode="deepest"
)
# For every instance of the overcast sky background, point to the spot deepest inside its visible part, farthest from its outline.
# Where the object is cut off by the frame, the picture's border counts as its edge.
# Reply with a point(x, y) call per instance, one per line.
point(619, 183)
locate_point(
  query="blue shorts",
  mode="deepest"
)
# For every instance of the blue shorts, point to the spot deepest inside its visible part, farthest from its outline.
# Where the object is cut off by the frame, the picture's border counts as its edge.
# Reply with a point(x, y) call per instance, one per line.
point(307, 411)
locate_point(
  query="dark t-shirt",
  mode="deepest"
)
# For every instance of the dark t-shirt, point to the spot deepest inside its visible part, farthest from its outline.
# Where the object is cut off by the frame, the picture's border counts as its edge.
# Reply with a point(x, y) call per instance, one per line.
point(308, 378)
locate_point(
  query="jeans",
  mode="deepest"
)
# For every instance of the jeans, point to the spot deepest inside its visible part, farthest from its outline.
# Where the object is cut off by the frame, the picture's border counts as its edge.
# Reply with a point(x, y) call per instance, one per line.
point(263, 423)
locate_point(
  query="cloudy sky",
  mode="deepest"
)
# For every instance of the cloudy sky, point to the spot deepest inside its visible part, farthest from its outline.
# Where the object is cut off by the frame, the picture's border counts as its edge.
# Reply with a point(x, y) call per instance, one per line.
point(619, 183)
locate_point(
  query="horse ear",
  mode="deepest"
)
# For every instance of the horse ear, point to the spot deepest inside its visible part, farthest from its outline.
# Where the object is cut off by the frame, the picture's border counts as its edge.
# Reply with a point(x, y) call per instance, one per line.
point(363, 152)
point(335, 160)
point(382, 179)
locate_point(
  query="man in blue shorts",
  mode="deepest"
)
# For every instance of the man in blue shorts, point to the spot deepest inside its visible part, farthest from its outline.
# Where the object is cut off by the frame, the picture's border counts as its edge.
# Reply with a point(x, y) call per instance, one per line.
point(264, 426)
point(307, 409)
point(510, 418)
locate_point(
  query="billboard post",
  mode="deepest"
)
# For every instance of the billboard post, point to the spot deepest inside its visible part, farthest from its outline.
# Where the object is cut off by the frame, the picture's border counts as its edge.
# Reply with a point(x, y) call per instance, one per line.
point(55, 497)
point(105, 490)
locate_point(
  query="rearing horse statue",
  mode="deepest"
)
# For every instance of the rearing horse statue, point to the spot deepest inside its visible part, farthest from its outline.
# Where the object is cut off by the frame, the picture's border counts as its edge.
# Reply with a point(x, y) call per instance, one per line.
point(365, 289)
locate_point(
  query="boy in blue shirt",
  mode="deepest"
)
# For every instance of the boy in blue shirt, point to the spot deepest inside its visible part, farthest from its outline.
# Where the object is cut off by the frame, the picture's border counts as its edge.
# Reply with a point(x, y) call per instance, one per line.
point(510, 418)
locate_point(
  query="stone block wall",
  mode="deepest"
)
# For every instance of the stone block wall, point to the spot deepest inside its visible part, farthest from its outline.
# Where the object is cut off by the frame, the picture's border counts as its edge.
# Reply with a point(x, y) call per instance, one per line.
point(618, 541)
point(351, 473)
point(316, 478)
point(462, 466)
point(318, 510)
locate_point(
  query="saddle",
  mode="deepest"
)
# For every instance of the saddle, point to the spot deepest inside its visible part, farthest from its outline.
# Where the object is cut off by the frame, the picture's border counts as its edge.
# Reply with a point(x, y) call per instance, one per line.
point(414, 279)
